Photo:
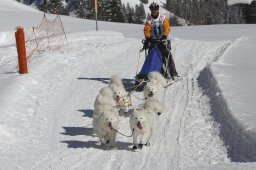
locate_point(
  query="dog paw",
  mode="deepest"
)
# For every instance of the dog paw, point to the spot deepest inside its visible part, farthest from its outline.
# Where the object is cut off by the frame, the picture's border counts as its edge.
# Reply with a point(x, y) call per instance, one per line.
point(140, 146)
point(134, 147)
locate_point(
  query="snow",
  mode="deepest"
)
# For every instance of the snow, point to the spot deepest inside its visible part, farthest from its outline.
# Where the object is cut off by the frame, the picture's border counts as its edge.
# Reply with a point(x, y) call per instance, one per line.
point(46, 115)
point(231, 2)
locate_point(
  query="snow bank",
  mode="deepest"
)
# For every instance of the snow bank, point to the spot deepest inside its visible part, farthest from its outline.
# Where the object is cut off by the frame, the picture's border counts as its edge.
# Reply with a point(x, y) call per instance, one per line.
point(231, 2)
point(240, 144)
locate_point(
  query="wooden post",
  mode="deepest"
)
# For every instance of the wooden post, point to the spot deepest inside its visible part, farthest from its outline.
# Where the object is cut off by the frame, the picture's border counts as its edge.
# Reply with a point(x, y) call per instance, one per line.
point(96, 13)
point(21, 49)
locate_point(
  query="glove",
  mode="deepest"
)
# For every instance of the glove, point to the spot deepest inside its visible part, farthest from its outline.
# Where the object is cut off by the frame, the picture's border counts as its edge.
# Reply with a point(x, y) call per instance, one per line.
point(146, 43)
point(163, 37)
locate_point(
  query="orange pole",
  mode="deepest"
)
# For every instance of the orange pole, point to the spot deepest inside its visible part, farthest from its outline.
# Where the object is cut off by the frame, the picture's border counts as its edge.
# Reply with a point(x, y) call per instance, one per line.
point(21, 49)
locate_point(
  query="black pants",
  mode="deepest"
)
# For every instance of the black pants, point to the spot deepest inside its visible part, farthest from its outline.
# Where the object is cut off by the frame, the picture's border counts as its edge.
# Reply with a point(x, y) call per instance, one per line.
point(168, 67)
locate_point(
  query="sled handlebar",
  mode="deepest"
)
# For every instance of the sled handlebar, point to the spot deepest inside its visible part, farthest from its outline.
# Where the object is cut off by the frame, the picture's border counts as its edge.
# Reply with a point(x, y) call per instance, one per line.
point(146, 42)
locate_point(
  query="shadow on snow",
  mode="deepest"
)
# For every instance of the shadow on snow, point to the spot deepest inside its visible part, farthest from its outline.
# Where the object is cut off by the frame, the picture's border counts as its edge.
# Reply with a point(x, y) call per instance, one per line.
point(75, 131)
point(128, 83)
point(87, 113)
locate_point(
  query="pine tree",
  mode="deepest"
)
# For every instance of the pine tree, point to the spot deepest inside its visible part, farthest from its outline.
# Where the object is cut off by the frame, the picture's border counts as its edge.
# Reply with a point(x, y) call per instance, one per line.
point(115, 12)
point(44, 5)
point(125, 12)
point(104, 11)
point(56, 7)
point(81, 8)
point(139, 14)
point(129, 13)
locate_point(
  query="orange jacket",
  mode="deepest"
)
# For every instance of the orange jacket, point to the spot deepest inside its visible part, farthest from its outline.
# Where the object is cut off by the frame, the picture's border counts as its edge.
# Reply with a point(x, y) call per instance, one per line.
point(149, 23)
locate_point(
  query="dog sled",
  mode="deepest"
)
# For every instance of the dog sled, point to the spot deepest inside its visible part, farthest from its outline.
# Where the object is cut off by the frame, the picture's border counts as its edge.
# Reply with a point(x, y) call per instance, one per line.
point(153, 62)
point(156, 62)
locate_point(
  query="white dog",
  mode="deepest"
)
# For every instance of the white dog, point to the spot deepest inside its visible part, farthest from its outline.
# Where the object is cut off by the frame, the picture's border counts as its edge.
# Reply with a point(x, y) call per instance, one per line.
point(143, 122)
point(102, 107)
point(115, 79)
point(154, 90)
point(153, 105)
point(121, 96)
point(105, 125)
point(156, 76)
point(155, 86)
point(104, 100)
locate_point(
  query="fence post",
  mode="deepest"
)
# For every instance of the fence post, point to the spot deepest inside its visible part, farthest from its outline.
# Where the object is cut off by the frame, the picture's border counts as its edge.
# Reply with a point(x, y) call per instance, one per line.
point(21, 49)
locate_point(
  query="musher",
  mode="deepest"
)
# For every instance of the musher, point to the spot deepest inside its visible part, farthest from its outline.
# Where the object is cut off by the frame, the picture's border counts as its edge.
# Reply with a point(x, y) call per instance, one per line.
point(156, 31)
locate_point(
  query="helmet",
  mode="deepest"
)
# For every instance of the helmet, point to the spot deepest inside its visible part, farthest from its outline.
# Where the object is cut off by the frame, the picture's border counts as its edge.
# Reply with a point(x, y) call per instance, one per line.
point(153, 5)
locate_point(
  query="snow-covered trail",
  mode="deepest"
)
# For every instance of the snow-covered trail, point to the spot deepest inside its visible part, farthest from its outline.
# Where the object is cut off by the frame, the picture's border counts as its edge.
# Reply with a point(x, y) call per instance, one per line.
point(59, 129)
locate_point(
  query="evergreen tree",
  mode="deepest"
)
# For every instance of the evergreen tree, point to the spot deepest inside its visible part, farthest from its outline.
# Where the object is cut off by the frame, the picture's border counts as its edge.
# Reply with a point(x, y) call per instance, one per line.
point(125, 12)
point(139, 14)
point(53, 7)
point(44, 6)
point(81, 8)
point(56, 7)
point(129, 13)
point(104, 11)
point(193, 11)
point(174, 21)
point(114, 11)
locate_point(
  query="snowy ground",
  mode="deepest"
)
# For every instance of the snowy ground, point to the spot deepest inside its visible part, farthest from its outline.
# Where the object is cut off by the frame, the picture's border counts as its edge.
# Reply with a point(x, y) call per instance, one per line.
point(231, 2)
point(46, 115)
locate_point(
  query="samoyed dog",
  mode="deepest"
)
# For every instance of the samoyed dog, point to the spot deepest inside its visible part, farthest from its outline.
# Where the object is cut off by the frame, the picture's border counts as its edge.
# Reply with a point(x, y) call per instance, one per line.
point(158, 77)
point(105, 125)
point(121, 96)
point(152, 105)
point(143, 123)
point(155, 86)
point(115, 79)
point(154, 90)
point(102, 107)
point(104, 100)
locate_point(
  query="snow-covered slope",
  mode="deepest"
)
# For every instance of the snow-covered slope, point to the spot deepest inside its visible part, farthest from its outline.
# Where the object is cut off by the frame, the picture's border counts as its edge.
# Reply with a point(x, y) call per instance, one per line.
point(231, 2)
point(46, 115)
